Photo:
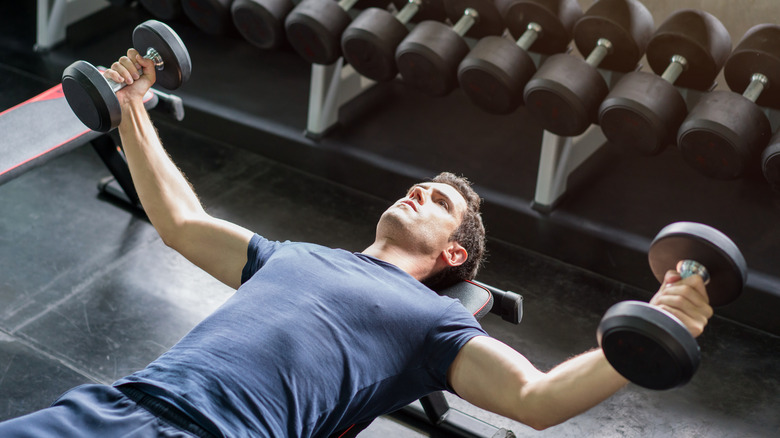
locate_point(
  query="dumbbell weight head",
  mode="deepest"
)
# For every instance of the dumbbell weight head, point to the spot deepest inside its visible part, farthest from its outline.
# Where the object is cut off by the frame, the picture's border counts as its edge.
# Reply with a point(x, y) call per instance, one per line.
point(163, 9)
point(700, 38)
point(770, 162)
point(177, 65)
point(428, 57)
point(370, 41)
point(92, 97)
point(757, 52)
point(261, 22)
point(314, 29)
point(650, 346)
point(369, 44)
point(496, 70)
point(707, 246)
point(627, 24)
point(210, 16)
point(725, 132)
point(494, 73)
point(562, 94)
point(643, 111)
point(566, 91)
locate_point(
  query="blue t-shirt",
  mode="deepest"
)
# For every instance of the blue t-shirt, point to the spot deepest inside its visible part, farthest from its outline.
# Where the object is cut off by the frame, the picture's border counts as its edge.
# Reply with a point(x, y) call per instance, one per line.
point(315, 339)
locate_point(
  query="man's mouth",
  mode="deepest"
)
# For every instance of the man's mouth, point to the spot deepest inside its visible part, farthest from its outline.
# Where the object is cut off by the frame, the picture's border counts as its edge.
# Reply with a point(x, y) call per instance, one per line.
point(410, 204)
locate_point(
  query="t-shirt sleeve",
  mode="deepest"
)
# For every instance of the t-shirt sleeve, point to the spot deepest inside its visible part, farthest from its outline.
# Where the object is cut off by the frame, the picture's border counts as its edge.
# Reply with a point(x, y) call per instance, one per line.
point(456, 327)
point(257, 253)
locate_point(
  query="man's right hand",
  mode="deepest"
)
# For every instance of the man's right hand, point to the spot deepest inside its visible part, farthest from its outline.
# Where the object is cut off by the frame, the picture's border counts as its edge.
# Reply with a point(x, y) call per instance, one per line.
point(137, 72)
point(686, 299)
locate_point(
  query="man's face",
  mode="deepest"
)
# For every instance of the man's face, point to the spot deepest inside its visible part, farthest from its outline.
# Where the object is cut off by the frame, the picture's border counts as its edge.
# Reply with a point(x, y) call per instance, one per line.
point(424, 220)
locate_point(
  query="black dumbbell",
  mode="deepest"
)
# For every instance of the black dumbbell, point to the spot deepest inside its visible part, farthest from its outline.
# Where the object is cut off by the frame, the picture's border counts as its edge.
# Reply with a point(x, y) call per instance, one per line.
point(566, 91)
point(770, 162)
point(370, 41)
point(314, 28)
point(163, 9)
point(210, 16)
point(725, 132)
point(496, 70)
point(428, 57)
point(92, 97)
point(643, 111)
point(651, 347)
point(261, 22)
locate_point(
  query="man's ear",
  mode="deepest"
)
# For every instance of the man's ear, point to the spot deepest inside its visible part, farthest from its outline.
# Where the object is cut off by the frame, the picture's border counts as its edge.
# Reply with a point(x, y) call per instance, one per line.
point(454, 254)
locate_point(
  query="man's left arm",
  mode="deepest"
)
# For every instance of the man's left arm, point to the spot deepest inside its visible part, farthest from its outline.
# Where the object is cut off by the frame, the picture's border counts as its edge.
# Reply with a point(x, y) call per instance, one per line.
point(493, 376)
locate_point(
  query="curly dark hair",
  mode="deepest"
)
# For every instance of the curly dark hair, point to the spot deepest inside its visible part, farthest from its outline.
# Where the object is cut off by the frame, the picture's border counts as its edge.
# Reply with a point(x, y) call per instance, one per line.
point(470, 234)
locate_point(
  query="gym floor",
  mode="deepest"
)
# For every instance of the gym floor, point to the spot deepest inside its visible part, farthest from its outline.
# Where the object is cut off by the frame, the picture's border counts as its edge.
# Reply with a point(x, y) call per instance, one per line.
point(89, 293)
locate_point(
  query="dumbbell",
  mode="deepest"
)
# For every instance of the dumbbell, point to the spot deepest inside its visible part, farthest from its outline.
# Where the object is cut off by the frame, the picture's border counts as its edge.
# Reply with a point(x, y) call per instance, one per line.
point(314, 28)
point(92, 97)
point(261, 22)
point(496, 70)
point(163, 9)
point(428, 57)
point(565, 93)
point(650, 346)
point(643, 111)
point(370, 41)
point(770, 162)
point(723, 135)
point(210, 16)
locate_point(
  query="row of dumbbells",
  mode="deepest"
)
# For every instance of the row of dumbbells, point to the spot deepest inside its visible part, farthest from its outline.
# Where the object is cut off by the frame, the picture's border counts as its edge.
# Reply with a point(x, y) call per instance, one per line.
point(722, 136)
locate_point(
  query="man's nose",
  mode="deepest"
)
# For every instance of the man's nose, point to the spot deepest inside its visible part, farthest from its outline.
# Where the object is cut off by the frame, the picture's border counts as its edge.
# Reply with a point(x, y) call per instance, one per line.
point(419, 194)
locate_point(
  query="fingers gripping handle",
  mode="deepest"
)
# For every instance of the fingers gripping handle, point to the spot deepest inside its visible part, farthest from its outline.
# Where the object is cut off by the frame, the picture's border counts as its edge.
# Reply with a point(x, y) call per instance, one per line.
point(152, 54)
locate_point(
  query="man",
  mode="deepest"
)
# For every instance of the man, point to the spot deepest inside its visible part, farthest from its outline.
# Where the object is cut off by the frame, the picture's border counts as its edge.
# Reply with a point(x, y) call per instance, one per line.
point(316, 339)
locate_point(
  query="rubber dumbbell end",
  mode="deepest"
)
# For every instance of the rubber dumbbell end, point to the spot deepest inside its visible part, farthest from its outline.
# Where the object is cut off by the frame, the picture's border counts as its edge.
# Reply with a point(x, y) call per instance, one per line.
point(91, 97)
point(648, 346)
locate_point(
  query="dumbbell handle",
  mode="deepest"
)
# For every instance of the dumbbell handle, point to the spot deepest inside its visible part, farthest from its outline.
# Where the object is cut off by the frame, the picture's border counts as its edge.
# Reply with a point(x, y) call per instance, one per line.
point(687, 268)
point(469, 18)
point(602, 49)
point(347, 4)
point(675, 68)
point(757, 84)
point(532, 32)
point(407, 12)
point(152, 54)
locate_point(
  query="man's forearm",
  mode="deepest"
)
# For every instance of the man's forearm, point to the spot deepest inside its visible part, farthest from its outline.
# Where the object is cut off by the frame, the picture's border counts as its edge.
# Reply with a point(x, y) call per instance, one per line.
point(165, 194)
point(572, 388)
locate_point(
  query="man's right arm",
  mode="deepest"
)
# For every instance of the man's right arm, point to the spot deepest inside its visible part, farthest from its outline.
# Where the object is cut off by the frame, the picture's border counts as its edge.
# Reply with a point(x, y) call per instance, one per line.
point(495, 377)
point(216, 246)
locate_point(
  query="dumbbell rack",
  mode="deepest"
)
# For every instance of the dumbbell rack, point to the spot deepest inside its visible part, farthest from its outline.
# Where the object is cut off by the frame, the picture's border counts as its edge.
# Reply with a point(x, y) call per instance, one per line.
point(55, 15)
point(336, 84)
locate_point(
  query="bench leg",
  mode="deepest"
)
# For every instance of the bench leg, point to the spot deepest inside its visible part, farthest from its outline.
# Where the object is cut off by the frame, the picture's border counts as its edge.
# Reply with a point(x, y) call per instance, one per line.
point(437, 411)
point(115, 161)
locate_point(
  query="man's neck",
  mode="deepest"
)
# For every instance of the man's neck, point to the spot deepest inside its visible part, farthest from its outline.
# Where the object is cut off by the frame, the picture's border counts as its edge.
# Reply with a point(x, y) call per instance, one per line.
point(417, 265)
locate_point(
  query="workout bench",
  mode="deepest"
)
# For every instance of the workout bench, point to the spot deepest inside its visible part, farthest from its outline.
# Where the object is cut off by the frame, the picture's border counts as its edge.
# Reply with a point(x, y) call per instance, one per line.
point(45, 127)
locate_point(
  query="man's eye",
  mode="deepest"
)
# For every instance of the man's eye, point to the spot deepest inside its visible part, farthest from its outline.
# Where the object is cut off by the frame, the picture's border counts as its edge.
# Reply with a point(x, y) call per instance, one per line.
point(444, 204)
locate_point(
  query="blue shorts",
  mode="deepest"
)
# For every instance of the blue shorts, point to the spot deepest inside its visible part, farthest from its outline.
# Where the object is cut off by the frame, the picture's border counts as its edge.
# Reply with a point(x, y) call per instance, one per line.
point(100, 411)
